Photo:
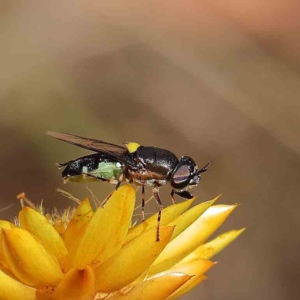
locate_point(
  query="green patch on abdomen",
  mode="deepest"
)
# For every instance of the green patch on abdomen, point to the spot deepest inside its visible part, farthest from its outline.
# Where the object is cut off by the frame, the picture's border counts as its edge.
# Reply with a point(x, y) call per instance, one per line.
point(107, 170)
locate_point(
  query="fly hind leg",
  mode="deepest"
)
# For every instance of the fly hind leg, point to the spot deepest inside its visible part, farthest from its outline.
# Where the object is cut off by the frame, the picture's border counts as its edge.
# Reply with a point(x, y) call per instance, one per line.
point(160, 206)
point(116, 182)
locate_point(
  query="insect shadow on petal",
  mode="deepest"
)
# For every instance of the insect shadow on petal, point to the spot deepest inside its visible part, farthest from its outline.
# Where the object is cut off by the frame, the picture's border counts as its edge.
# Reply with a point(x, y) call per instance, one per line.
point(133, 163)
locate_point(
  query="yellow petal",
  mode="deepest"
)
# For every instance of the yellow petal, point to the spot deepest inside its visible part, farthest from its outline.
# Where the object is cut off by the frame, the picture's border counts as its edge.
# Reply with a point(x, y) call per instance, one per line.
point(13, 289)
point(43, 230)
point(2, 257)
point(27, 259)
point(77, 285)
point(169, 214)
point(185, 288)
point(196, 268)
point(105, 233)
point(132, 260)
point(59, 227)
point(192, 237)
point(5, 270)
point(4, 225)
point(158, 288)
point(213, 247)
point(186, 219)
point(81, 217)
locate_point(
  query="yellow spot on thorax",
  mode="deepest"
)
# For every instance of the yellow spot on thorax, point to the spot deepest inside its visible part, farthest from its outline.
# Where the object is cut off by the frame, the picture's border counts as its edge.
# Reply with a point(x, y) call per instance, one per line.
point(132, 146)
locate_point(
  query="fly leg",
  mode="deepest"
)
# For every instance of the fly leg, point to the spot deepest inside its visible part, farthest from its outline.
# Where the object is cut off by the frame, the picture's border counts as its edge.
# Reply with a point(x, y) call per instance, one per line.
point(111, 181)
point(143, 203)
point(96, 177)
point(184, 194)
point(172, 196)
point(117, 183)
point(160, 205)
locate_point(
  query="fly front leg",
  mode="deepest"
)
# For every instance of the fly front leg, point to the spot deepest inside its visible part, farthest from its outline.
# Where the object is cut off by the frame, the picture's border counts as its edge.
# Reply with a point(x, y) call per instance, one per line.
point(172, 196)
point(184, 194)
point(160, 206)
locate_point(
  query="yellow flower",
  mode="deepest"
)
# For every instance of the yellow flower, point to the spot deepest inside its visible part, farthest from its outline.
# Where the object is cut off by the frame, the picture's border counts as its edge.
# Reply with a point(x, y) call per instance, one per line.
point(98, 255)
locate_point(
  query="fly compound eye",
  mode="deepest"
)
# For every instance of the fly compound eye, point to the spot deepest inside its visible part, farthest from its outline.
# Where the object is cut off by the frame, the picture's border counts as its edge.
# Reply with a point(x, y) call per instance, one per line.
point(180, 177)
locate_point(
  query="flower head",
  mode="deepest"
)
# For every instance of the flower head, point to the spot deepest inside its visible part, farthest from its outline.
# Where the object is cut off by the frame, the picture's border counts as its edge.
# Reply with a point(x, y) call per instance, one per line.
point(91, 254)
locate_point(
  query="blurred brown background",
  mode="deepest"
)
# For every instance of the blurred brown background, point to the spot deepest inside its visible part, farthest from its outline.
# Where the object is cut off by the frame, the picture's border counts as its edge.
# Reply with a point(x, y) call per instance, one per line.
point(214, 81)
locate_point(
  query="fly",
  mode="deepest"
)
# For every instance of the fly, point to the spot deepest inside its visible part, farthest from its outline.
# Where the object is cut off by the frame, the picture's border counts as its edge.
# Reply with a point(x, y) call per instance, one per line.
point(134, 163)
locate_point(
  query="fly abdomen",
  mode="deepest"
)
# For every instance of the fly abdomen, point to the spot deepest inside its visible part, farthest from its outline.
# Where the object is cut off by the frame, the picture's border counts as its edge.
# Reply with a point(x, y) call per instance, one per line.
point(91, 168)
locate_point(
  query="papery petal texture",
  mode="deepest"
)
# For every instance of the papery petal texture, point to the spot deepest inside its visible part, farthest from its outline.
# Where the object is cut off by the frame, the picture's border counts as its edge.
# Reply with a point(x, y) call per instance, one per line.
point(76, 285)
point(27, 259)
point(157, 288)
point(185, 288)
point(6, 225)
point(213, 247)
point(43, 230)
point(95, 253)
point(192, 237)
point(195, 267)
point(11, 289)
point(109, 225)
point(77, 224)
point(168, 215)
point(190, 216)
point(132, 260)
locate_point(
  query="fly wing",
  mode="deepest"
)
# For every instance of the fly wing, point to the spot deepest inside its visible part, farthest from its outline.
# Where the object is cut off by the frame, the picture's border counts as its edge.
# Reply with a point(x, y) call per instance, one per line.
point(118, 152)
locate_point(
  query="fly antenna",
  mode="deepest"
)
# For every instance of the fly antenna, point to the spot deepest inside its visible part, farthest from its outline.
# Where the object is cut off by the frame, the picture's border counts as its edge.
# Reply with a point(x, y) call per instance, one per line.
point(204, 169)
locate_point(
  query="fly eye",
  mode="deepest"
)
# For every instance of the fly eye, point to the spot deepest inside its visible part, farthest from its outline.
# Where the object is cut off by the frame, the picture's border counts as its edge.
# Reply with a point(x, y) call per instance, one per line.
point(181, 177)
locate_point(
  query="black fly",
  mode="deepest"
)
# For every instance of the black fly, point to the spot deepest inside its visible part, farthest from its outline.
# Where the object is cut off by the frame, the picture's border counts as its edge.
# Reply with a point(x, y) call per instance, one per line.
point(141, 165)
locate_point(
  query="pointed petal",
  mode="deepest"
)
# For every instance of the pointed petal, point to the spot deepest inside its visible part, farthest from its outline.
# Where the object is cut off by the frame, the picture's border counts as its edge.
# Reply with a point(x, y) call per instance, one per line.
point(43, 230)
point(158, 288)
point(192, 237)
point(76, 285)
point(13, 289)
point(4, 225)
point(195, 267)
point(213, 247)
point(2, 257)
point(81, 217)
point(185, 288)
point(169, 214)
point(110, 225)
point(132, 260)
point(186, 219)
point(27, 259)
point(5, 270)
point(59, 227)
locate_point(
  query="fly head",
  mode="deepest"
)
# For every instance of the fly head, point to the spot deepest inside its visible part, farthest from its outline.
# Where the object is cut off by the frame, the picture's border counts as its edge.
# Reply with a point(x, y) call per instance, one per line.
point(186, 174)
